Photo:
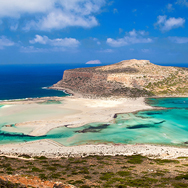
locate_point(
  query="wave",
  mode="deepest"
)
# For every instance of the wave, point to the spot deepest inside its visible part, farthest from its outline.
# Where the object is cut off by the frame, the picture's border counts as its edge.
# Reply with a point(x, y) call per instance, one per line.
point(45, 87)
point(9, 100)
point(30, 98)
point(63, 90)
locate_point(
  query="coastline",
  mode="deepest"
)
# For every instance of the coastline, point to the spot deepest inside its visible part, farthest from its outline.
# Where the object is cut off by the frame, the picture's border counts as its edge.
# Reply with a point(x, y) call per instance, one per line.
point(65, 90)
point(90, 109)
point(82, 111)
point(52, 149)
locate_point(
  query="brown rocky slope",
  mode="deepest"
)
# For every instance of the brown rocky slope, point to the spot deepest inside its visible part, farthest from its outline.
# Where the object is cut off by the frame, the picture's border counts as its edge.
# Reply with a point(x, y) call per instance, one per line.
point(129, 78)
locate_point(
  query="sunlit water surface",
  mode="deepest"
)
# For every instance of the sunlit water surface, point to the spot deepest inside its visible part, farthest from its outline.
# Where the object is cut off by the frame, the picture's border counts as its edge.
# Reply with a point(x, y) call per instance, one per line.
point(168, 126)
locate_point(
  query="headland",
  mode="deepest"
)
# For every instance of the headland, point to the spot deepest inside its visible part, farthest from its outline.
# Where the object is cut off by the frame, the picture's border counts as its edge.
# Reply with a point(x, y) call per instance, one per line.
point(129, 78)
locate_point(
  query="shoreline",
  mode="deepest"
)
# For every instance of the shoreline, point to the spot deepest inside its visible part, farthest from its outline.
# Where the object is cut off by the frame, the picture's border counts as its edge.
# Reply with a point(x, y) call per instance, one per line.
point(103, 109)
point(66, 90)
point(52, 149)
point(79, 95)
point(85, 111)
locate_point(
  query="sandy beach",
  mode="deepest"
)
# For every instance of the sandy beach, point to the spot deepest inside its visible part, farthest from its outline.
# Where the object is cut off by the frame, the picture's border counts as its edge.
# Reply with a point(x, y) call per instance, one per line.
point(53, 149)
point(74, 112)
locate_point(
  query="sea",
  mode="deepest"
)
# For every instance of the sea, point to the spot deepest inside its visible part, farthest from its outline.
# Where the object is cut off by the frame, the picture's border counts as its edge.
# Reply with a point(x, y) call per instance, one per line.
point(29, 81)
point(167, 126)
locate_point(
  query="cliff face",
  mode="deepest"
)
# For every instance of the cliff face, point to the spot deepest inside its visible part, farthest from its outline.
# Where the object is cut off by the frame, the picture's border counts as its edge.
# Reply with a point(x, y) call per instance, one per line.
point(132, 78)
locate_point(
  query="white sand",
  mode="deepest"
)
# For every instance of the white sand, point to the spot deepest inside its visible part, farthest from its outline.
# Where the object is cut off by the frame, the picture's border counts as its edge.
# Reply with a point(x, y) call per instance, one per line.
point(53, 149)
point(76, 112)
point(73, 111)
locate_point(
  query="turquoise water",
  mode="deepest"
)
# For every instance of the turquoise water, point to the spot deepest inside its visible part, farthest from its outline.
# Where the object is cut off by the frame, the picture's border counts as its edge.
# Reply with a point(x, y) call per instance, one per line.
point(168, 126)
point(170, 102)
point(51, 102)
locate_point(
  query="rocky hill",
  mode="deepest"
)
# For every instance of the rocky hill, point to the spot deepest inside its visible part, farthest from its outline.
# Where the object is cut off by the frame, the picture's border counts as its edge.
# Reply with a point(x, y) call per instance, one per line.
point(132, 78)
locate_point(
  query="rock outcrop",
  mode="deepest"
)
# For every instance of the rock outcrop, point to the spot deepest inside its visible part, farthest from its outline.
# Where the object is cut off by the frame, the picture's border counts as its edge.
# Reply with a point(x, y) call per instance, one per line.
point(132, 78)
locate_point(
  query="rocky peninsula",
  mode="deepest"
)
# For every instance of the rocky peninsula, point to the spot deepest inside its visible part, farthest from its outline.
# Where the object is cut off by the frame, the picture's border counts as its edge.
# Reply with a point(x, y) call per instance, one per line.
point(129, 78)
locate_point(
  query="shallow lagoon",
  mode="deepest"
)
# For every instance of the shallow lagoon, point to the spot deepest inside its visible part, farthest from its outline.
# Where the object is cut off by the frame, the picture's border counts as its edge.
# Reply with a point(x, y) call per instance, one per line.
point(168, 126)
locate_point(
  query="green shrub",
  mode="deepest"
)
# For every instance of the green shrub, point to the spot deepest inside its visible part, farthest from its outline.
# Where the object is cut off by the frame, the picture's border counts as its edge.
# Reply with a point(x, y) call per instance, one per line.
point(34, 169)
point(143, 182)
point(25, 156)
point(163, 161)
point(51, 168)
point(107, 175)
point(6, 165)
point(84, 171)
point(121, 186)
point(41, 157)
point(182, 176)
point(55, 176)
point(42, 177)
point(123, 173)
point(10, 169)
point(87, 177)
point(77, 182)
point(180, 185)
point(135, 159)
point(84, 186)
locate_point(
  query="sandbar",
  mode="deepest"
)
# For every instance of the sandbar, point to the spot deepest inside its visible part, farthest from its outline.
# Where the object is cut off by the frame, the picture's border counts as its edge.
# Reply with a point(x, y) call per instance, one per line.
point(74, 112)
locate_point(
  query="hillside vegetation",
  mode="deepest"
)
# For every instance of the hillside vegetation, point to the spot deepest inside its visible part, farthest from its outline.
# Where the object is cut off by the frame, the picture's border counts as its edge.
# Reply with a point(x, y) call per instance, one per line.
point(93, 172)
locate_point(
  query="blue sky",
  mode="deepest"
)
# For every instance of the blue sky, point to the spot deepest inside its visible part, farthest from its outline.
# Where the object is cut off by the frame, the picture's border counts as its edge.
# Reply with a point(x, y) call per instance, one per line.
point(93, 31)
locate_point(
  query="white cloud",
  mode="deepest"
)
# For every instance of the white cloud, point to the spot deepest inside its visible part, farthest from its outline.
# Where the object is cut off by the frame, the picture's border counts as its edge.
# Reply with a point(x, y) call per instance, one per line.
point(14, 27)
point(97, 41)
point(134, 10)
point(161, 20)
point(59, 42)
point(115, 10)
point(58, 20)
point(94, 62)
point(132, 37)
point(32, 49)
point(39, 39)
point(145, 50)
point(4, 42)
point(107, 51)
point(120, 30)
point(53, 14)
point(168, 24)
point(182, 2)
point(179, 40)
point(170, 7)
point(15, 8)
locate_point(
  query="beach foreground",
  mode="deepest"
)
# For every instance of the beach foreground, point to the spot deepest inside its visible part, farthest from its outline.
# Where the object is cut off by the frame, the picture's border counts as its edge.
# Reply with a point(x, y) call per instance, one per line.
point(53, 149)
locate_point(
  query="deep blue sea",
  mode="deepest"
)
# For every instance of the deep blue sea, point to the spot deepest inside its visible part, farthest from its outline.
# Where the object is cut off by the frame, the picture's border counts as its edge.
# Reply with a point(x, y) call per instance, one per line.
point(28, 81)
point(166, 126)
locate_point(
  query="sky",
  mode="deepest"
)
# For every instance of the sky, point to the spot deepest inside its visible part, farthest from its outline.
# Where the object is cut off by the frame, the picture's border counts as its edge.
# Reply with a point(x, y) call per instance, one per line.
point(93, 31)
